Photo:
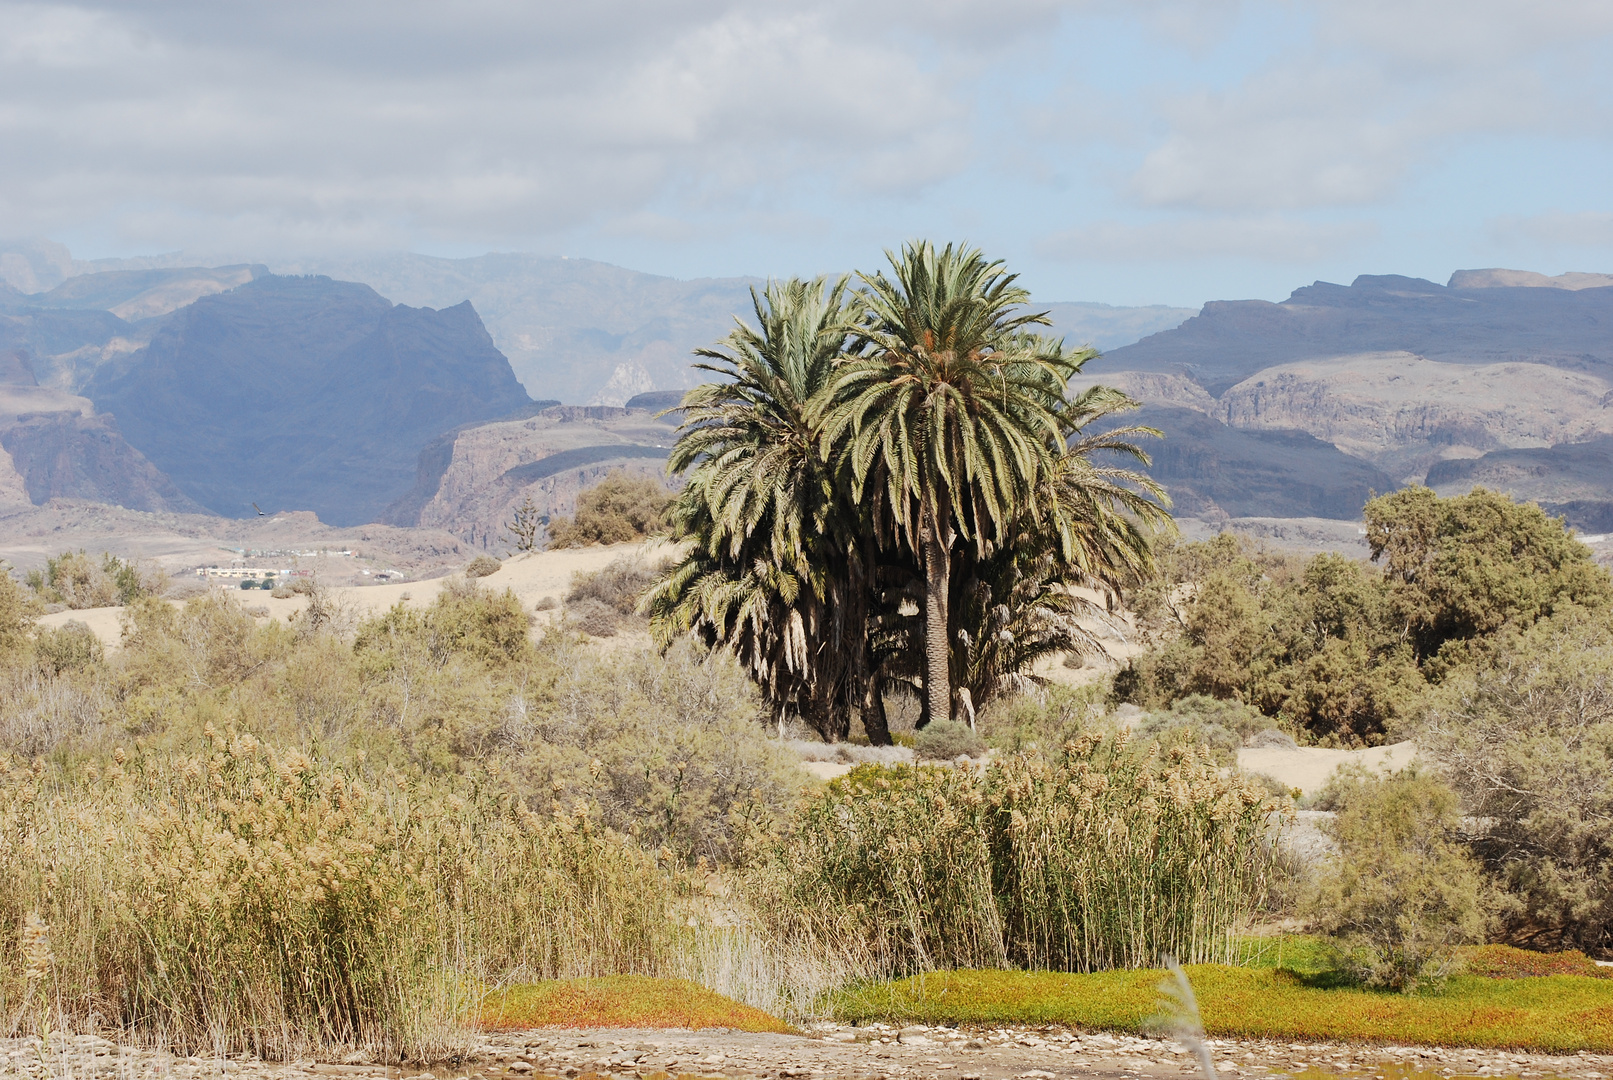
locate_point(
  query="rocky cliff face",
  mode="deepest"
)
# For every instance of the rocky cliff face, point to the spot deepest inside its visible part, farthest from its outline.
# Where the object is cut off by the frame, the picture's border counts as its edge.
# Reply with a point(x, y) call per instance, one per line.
point(470, 481)
point(67, 455)
point(1213, 470)
point(1400, 374)
point(303, 393)
point(1404, 413)
point(1230, 341)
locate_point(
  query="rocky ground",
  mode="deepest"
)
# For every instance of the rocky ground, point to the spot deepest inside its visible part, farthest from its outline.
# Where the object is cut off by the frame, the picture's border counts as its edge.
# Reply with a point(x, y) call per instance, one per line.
point(828, 1052)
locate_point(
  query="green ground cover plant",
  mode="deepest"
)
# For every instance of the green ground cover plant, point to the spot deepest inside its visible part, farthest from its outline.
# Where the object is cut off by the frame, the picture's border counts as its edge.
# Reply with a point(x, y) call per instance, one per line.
point(1553, 1014)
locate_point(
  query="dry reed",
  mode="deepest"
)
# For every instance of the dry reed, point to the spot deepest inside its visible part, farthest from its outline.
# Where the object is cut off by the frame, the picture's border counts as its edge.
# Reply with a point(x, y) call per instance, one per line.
point(247, 899)
point(1104, 858)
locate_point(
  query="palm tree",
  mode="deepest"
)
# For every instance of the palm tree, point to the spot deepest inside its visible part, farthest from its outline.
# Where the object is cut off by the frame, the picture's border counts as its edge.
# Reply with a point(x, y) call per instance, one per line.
point(776, 569)
point(949, 414)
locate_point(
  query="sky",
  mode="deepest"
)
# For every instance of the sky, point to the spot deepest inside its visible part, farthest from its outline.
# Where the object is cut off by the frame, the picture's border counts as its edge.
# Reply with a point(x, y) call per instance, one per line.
point(1138, 152)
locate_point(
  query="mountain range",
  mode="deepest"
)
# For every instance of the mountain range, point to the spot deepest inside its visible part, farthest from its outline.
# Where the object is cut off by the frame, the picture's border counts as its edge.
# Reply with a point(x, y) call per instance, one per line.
point(577, 330)
point(1500, 377)
point(378, 393)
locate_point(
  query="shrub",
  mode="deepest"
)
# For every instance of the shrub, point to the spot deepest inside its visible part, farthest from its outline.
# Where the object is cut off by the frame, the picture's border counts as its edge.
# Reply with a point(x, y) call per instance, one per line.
point(546, 603)
point(903, 851)
point(1221, 727)
point(669, 749)
point(1110, 856)
point(1043, 721)
point(943, 740)
point(18, 610)
point(43, 712)
point(78, 581)
point(69, 647)
point(248, 900)
point(1337, 648)
point(481, 566)
point(1402, 891)
point(619, 586)
point(618, 509)
point(1103, 857)
point(593, 617)
point(1526, 739)
point(463, 620)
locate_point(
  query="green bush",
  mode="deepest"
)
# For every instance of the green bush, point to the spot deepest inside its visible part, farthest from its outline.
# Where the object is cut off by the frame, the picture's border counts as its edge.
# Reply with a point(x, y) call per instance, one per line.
point(1402, 891)
point(1339, 649)
point(619, 509)
point(1220, 727)
point(69, 647)
point(1043, 721)
point(18, 610)
point(1525, 737)
point(77, 581)
point(463, 620)
point(943, 740)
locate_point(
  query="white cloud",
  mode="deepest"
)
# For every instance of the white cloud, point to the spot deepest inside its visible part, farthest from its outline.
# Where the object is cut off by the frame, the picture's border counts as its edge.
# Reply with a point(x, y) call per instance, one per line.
point(1584, 229)
point(1273, 239)
point(1381, 87)
point(215, 124)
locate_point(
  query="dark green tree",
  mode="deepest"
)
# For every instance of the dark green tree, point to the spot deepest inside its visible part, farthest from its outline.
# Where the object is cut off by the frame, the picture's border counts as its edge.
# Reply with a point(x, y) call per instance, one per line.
point(776, 569)
point(948, 416)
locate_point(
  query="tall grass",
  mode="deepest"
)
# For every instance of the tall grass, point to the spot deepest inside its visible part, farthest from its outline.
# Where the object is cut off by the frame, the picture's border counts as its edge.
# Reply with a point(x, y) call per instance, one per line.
point(248, 899)
point(1107, 858)
point(1102, 858)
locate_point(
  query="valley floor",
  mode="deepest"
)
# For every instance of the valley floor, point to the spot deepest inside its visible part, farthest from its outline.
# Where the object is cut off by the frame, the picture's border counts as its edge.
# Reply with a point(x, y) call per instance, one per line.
point(828, 1052)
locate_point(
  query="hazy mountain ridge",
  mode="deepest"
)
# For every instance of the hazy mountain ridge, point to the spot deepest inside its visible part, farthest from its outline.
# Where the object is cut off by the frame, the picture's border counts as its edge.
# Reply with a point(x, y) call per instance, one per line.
point(1230, 340)
point(1211, 469)
point(1298, 408)
point(1400, 373)
point(303, 393)
point(582, 331)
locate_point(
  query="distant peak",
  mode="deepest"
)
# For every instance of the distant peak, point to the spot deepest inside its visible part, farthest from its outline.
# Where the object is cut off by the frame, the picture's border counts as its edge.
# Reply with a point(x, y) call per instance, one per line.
point(1498, 278)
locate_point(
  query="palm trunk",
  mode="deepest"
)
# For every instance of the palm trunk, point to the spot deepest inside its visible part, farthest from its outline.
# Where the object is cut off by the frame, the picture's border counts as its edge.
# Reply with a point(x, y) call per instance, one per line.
point(873, 711)
point(937, 583)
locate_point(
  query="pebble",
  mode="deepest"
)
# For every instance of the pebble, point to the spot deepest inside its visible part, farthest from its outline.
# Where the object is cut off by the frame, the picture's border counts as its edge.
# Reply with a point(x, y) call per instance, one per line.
point(828, 1052)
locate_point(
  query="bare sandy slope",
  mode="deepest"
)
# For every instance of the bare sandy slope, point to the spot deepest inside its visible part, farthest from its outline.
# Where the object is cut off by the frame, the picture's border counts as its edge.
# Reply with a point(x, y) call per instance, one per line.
point(1308, 767)
point(530, 577)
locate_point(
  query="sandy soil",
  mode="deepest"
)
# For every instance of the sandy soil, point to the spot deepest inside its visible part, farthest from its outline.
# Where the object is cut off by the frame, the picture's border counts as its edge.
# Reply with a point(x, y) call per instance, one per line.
point(531, 577)
point(831, 1052)
point(1308, 767)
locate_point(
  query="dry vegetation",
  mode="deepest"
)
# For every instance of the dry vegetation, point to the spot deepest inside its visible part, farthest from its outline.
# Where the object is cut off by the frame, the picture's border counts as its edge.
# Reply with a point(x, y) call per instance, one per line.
point(240, 837)
point(287, 838)
point(619, 509)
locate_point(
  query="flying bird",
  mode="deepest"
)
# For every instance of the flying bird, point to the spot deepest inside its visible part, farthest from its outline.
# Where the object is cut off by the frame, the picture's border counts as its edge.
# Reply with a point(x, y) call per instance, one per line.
point(260, 512)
